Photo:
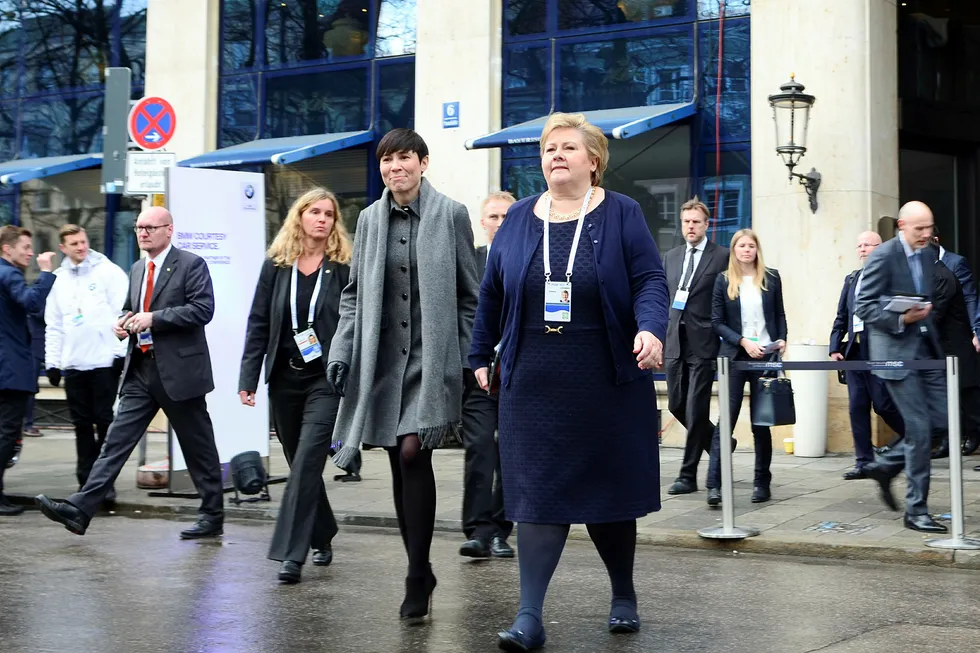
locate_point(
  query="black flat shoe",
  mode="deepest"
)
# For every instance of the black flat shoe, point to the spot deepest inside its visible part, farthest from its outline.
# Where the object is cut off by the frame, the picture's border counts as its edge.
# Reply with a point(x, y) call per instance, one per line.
point(418, 599)
point(761, 495)
point(623, 625)
point(515, 640)
point(323, 557)
point(202, 529)
point(683, 486)
point(923, 523)
point(475, 548)
point(854, 474)
point(884, 478)
point(714, 496)
point(8, 509)
point(290, 572)
point(500, 549)
point(64, 513)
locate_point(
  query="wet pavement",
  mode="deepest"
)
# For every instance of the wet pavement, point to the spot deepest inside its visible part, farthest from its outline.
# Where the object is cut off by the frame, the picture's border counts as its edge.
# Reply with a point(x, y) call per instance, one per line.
point(131, 585)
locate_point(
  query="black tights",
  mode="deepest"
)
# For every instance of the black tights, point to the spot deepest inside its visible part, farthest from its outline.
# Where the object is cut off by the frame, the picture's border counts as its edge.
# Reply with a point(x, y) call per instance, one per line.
point(414, 489)
point(539, 548)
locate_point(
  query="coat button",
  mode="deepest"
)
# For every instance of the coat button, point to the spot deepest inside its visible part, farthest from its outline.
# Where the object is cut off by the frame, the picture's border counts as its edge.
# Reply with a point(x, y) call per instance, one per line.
point(404, 351)
point(404, 268)
point(404, 240)
point(596, 242)
point(405, 324)
point(405, 296)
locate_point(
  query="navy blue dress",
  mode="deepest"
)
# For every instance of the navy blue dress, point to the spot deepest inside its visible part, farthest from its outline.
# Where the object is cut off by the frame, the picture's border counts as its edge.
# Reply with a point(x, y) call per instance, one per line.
point(575, 447)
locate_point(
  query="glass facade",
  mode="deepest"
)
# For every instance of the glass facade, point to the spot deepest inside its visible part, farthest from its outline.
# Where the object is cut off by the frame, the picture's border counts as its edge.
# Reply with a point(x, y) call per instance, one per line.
point(298, 67)
point(53, 56)
point(583, 55)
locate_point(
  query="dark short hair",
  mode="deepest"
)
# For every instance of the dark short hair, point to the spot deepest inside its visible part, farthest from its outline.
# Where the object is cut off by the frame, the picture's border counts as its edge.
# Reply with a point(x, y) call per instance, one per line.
point(10, 234)
point(69, 230)
point(402, 140)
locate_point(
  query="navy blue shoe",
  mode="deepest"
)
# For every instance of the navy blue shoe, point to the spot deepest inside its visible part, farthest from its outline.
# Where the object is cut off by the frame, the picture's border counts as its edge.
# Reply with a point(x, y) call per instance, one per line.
point(516, 640)
point(623, 625)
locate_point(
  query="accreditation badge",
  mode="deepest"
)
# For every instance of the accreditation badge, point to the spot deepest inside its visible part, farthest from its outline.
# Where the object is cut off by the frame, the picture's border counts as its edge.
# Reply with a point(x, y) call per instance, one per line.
point(309, 345)
point(557, 301)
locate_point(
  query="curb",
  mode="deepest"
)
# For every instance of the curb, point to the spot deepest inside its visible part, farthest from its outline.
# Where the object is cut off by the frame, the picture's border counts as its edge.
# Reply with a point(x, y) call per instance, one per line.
point(675, 539)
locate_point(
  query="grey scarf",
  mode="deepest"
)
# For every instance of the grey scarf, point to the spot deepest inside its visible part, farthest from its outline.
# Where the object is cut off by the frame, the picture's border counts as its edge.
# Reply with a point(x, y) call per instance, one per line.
point(445, 255)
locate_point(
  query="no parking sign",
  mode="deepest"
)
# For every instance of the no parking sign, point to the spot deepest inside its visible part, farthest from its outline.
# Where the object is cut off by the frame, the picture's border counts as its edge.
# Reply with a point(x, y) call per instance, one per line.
point(152, 123)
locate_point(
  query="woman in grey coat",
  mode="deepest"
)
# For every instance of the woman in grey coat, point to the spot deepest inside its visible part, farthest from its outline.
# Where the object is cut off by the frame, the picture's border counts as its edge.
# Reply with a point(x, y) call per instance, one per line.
point(398, 353)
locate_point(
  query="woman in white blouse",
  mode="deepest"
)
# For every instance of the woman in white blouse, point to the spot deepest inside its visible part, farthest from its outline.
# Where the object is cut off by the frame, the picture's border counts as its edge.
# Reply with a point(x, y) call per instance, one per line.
point(747, 314)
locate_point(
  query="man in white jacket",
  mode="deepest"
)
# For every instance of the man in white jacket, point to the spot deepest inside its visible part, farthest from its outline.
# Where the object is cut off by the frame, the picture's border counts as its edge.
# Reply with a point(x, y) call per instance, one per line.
point(83, 306)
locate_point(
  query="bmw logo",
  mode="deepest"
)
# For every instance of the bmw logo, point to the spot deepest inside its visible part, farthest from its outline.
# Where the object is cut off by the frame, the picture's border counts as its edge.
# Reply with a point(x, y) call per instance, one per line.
point(249, 191)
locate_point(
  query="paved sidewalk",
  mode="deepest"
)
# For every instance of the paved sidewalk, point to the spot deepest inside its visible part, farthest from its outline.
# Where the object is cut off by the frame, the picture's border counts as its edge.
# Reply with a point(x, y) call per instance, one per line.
point(813, 512)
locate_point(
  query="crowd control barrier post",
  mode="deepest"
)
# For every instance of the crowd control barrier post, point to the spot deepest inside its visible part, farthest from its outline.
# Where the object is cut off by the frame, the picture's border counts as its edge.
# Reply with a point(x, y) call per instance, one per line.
point(958, 541)
point(728, 530)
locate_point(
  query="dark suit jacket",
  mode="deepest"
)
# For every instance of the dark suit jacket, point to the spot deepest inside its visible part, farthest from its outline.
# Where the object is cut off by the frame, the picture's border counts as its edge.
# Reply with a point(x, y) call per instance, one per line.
point(182, 304)
point(18, 368)
point(959, 267)
point(702, 339)
point(841, 334)
point(481, 262)
point(269, 305)
point(886, 274)
point(726, 314)
point(955, 326)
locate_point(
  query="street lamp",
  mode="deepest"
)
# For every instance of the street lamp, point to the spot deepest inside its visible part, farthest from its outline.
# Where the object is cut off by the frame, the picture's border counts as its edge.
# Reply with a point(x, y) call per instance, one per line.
point(791, 113)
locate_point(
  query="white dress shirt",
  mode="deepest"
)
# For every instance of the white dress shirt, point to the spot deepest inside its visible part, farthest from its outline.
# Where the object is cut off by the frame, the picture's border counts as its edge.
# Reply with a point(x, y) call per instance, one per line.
point(753, 317)
point(157, 264)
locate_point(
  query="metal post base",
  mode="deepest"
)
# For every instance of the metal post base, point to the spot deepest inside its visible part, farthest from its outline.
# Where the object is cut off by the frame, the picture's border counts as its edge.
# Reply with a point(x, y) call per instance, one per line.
point(734, 533)
point(955, 543)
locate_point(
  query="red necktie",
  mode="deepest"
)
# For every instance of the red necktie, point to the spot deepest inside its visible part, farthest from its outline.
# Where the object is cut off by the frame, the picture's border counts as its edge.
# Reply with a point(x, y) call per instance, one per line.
point(147, 296)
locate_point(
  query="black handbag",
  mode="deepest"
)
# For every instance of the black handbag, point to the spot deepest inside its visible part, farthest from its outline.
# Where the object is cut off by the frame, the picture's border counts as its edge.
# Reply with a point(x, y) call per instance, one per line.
point(772, 402)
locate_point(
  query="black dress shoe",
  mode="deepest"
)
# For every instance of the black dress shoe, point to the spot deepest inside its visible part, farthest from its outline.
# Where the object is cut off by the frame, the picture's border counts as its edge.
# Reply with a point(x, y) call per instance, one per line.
point(683, 486)
point(8, 509)
point(475, 548)
point(923, 523)
point(323, 557)
point(854, 474)
point(976, 468)
point(500, 549)
point(941, 450)
point(970, 445)
point(290, 572)
point(883, 477)
point(714, 496)
point(516, 640)
point(418, 598)
point(203, 528)
point(761, 495)
point(63, 512)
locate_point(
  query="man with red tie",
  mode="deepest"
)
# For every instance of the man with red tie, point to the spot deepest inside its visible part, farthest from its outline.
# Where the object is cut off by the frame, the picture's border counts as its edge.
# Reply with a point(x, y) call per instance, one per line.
point(168, 367)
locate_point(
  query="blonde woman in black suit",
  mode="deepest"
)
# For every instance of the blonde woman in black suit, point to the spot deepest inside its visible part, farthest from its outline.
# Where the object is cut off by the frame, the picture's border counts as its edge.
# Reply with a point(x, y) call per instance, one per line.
point(747, 314)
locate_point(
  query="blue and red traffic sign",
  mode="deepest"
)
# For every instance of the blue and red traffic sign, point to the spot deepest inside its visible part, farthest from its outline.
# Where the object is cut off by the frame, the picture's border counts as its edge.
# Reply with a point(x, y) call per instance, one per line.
point(152, 122)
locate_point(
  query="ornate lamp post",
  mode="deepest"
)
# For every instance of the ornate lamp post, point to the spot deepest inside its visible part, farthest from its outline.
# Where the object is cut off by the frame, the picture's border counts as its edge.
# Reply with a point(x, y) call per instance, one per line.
point(791, 113)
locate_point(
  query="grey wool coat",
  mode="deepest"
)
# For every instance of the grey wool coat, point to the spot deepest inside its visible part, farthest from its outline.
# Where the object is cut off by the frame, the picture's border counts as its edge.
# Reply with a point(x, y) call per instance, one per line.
point(373, 332)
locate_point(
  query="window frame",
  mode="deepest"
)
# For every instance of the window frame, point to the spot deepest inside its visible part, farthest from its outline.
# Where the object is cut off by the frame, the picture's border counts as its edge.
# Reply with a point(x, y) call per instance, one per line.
point(551, 29)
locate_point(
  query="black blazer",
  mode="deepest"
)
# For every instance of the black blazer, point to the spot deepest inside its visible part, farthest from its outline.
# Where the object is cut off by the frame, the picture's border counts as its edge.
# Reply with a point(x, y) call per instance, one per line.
point(841, 335)
point(726, 314)
point(701, 338)
point(481, 262)
point(954, 324)
point(268, 308)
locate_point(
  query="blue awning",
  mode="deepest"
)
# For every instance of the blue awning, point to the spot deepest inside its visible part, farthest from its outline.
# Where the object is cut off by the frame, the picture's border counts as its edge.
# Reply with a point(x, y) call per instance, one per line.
point(21, 170)
point(614, 123)
point(278, 150)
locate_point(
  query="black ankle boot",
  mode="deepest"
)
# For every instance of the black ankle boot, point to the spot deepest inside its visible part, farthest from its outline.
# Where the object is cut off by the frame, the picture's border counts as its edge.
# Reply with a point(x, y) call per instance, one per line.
point(418, 598)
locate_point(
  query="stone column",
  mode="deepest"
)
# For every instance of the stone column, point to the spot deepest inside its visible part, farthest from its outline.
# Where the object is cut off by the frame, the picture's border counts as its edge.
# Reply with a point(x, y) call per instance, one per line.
point(845, 53)
point(459, 60)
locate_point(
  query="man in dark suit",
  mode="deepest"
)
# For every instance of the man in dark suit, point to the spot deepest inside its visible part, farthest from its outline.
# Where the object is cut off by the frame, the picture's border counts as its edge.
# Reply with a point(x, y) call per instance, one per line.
point(905, 266)
point(168, 367)
point(692, 345)
point(959, 266)
point(18, 368)
point(849, 341)
point(484, 524)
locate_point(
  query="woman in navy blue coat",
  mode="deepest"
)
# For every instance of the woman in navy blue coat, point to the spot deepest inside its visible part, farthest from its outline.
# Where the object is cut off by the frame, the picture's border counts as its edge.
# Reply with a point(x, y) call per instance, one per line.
point(747, 314)
point(575, 294)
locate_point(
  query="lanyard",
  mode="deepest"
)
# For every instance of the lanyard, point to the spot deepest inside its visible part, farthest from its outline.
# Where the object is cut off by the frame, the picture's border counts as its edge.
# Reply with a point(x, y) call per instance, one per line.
point(292, 297)
point(578, 234)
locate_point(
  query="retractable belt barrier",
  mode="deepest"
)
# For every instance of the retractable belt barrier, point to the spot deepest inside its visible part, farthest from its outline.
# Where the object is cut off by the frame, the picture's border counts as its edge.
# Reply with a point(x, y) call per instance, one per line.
point(728, 530)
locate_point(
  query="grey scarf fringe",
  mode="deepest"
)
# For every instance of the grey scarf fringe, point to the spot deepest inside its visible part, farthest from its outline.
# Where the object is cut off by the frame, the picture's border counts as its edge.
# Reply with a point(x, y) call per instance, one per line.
point(431, 437)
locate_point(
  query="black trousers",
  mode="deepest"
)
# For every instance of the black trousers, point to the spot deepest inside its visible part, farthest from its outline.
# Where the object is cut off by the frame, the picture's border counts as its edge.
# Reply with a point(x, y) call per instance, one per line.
point(13, 409)
point(304, 410)
point(90, 395)
point(141, 397)
point(483, 494)
point(864, 392)
point(689, 380)
point(761, 435)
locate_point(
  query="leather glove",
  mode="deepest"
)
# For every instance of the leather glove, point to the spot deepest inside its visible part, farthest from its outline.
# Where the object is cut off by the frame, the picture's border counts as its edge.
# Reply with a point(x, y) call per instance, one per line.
point(337, 376)
point(54, 376)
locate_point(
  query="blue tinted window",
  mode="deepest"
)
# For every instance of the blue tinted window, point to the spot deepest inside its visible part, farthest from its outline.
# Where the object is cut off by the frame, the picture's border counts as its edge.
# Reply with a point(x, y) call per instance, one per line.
point(526, 83)
point(735, 110)
point(316, 30)
point(525, 16)
point(708, 9)
point(10, 42)
point(317, 103)
point(582, 14)
point(62, 126)
point(396, 93)
point(396, 28)
point(728, 192)
point(239, 111)
point(132, 36)
point(237, 35)
point(66, 46)
point(7, 203)
point(8, 121)
point(523, 178)
point(627, 72)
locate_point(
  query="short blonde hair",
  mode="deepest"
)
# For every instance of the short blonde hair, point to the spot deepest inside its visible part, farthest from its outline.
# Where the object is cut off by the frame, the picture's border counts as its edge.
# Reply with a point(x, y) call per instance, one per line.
point(596, 142)
point(288, 243)
point(498, 195)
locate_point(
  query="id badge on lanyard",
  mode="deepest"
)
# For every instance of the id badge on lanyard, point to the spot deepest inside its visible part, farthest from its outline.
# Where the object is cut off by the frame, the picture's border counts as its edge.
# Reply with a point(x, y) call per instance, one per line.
point(306, 341)
point(558, 294)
